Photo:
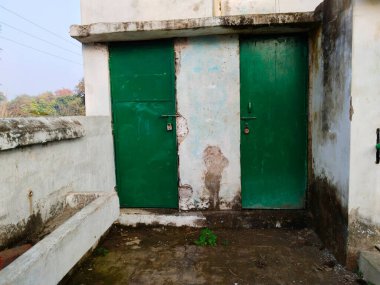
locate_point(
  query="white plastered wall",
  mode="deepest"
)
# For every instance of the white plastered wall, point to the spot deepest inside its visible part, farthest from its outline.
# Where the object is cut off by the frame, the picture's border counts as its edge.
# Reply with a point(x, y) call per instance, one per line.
point(96, 70)
point(365, 174)
point(239, 7)
point(51, 171)
point(330, 102)
point(205, 125)
point(208, 98)
point(97, 80)
point(95, 11)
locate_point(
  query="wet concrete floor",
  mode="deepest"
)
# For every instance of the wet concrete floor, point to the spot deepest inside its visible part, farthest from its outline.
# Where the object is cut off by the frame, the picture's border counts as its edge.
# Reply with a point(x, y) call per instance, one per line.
point(241, 256)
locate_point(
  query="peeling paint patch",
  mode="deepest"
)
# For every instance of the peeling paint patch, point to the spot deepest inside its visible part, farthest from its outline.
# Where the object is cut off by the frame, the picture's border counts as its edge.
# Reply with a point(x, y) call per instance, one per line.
point(185, 197)
point(17, 132)
point(202, 203)
point(182, 129)
point(234, 204)
point(179, 45)
point(215, 163)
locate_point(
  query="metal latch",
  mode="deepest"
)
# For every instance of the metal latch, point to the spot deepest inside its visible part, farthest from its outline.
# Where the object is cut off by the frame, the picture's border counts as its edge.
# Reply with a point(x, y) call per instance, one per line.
point(169, 122)
point(246, 129)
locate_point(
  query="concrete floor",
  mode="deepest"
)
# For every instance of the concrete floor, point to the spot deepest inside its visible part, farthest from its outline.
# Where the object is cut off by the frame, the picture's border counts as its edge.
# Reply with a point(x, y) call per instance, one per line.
point(242, 256)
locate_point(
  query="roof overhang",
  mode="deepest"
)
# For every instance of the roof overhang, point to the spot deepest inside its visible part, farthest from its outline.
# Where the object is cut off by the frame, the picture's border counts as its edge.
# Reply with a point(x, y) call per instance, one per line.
point(148, 30)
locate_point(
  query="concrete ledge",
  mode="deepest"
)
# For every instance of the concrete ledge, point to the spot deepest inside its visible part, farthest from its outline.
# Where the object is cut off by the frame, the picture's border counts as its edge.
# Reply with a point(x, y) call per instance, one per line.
point(49, 260)
point(136, 217)
point(18, 132)
point(294, 219)
point(258, 23)
point(369, 265)
point(258, 219)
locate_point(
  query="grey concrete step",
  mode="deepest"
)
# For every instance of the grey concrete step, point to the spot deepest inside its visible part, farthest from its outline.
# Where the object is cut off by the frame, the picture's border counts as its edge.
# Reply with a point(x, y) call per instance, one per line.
point(369, 266)
point(289, 219)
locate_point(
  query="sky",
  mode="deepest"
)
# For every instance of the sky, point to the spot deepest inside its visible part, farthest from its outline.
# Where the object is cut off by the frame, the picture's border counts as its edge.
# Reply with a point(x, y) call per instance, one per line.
point(57, 64)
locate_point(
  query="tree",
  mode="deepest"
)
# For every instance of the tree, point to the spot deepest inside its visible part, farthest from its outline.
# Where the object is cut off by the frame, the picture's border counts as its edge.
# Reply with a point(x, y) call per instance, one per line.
point(80, 91)
point(3, 98)
point(69, 106)
point(18, 107)
point(63, 92)
point(48, 96)
point(41, 107)
point(3, 106)
point(62, 102)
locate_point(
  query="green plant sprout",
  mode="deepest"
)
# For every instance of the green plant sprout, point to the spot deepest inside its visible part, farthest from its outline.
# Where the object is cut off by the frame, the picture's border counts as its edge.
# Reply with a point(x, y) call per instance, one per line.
point(206, 238)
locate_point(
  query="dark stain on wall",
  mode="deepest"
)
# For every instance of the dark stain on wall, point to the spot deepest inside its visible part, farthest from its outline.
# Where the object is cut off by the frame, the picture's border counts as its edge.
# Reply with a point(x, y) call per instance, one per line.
point(234, 205)
point(215, 163)
point(351, 109)
point(24, 231)
point(337, 50)
point(330, 218)
point(332, 122)
point(258, 219)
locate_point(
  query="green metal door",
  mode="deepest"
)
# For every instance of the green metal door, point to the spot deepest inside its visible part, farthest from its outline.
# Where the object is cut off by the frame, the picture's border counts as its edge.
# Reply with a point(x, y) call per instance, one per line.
point(273, 105)
point(143, 107)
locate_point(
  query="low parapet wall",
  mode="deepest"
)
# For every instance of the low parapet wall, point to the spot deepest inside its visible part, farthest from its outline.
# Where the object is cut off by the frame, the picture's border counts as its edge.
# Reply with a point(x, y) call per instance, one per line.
point(43, 159)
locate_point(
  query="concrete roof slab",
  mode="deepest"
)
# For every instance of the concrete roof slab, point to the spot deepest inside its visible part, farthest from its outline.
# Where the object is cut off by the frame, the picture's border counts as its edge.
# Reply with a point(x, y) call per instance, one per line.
point(254, 24)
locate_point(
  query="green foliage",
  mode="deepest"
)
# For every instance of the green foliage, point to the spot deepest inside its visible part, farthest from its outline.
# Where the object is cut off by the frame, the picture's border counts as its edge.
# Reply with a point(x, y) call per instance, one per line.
point(79, 89)
point(206, 238)
point(40, 107)
point(359, 273)
point(63, 102)
point(69, 106)
point(101, 251)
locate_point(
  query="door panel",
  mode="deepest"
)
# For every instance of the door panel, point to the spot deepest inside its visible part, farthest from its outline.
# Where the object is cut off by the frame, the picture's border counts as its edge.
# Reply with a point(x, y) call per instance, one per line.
point(142, 87)
point(273, 109)
point(142, 71)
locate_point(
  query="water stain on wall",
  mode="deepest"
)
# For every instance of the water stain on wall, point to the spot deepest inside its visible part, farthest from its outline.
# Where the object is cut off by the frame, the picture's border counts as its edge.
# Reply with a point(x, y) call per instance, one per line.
point(337, 39)
point(25, 230)
point(330, 217)
point(215, 163)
